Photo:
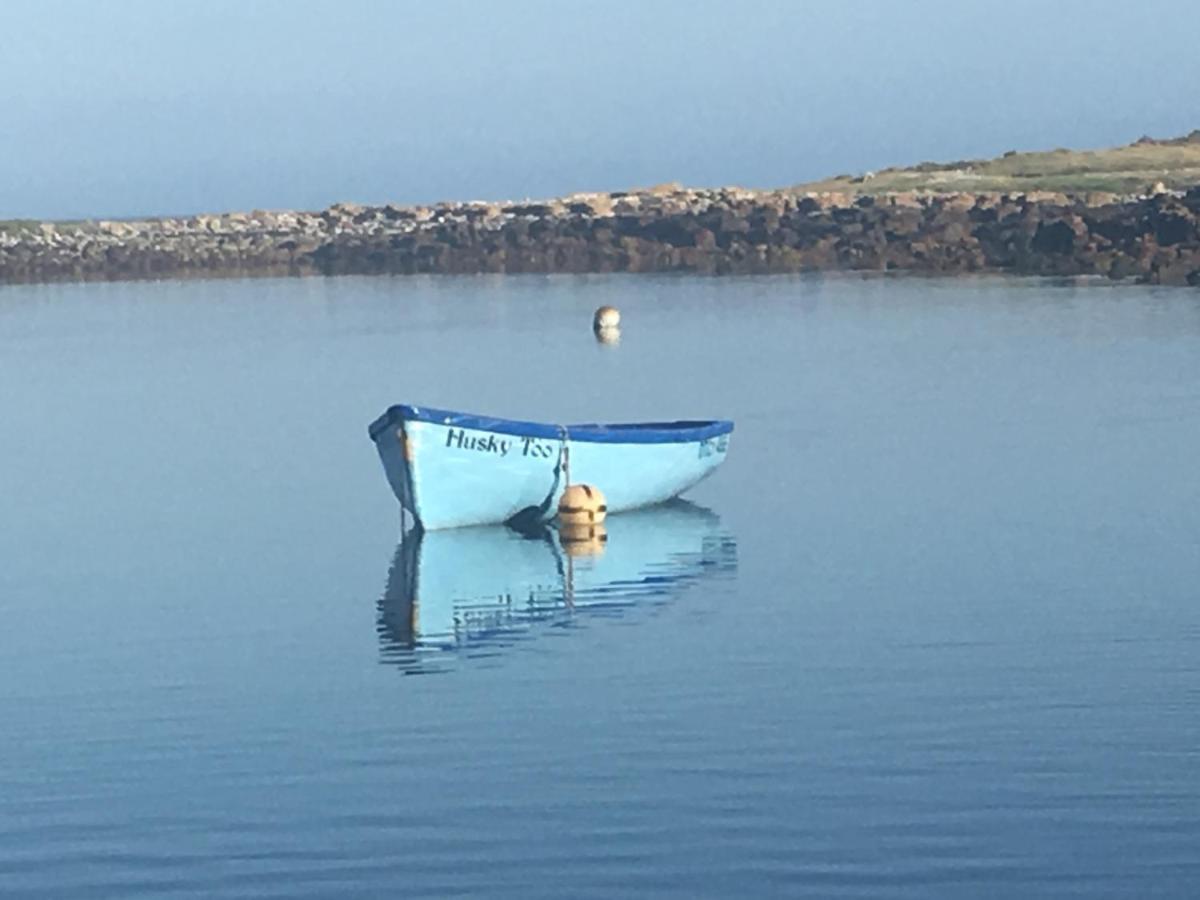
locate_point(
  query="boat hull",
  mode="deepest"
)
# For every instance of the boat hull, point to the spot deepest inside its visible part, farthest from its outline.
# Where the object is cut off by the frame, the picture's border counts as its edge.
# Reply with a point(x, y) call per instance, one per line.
point(451, 469)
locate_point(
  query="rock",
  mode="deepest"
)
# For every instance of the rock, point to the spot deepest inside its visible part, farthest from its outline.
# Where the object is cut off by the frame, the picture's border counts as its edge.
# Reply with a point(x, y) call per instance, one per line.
point(1048, 198)
point(346, 210)
point(1056, 238)
point(598, 204)
point(666, 228)
point(959, 201)
point(667, 187)
point(1174, 227)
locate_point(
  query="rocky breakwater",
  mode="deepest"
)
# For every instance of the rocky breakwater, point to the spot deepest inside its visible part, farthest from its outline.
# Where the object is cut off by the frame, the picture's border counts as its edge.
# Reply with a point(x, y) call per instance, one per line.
point(1154, 239)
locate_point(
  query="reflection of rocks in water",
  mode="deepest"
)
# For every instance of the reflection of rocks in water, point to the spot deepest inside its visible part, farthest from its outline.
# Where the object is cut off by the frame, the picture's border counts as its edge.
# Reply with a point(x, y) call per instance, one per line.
point(479, 589)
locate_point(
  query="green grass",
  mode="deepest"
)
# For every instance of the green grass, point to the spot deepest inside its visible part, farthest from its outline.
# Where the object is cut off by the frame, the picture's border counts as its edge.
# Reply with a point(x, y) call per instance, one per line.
point(1121, 170)
point(18, 226)
point(33, 226)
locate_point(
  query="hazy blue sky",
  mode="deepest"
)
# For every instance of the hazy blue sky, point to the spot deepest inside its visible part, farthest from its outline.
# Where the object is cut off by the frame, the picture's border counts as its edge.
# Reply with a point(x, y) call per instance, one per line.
point(124, 107)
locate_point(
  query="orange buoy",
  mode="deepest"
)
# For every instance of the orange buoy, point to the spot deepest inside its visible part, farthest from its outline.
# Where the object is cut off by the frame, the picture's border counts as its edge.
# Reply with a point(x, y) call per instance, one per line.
point(582, 504)
point(606, 317)
point(582, 540)
point(608, 335)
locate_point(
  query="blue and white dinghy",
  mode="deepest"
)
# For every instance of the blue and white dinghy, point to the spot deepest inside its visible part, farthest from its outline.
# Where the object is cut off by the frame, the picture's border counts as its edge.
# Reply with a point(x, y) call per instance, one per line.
point(450, 469)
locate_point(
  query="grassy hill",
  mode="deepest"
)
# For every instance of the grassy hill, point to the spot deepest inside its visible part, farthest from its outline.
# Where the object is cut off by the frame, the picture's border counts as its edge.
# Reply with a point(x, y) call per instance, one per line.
point(1134, 169)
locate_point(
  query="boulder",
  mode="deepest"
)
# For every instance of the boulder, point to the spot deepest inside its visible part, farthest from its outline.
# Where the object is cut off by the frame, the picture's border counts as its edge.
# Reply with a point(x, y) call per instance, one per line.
point(1055, 238)
point(1174, 227)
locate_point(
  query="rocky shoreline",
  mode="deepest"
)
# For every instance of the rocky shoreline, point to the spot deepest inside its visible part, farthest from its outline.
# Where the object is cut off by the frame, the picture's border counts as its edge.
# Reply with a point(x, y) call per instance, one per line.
point(1154, 239)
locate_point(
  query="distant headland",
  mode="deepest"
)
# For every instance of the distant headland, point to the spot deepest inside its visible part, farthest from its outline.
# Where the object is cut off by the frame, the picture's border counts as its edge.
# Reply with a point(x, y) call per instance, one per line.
point(1130, 212)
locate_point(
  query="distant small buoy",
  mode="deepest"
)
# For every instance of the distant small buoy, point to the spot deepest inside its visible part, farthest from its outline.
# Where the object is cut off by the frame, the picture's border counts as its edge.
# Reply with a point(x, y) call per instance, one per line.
point(608, 335)
point(582, 504)
point(583, 540)
point(606, 317)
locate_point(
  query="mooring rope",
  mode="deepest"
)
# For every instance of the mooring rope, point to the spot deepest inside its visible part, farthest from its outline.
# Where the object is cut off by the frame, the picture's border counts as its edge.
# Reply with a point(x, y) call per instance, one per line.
point(562, 470)
point(564, 455)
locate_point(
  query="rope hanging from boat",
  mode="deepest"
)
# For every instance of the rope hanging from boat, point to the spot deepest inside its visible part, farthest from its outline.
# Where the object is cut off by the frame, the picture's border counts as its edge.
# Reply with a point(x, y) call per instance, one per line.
point(536, 515)
point(533, 517)
point(564, 456)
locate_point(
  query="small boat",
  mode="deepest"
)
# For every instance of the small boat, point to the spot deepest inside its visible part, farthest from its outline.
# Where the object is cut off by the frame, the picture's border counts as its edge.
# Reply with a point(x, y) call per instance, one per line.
point(450, 469)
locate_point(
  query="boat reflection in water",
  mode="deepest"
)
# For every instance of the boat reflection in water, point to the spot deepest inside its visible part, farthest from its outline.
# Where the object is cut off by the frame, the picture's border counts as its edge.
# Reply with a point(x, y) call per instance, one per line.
point(478, 590)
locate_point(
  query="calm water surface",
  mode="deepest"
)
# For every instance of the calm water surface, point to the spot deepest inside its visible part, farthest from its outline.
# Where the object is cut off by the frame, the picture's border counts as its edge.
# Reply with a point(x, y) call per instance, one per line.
point(933, 630)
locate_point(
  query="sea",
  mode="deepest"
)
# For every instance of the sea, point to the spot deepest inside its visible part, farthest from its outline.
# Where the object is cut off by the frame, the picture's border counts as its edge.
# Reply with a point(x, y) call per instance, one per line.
point(932, 630)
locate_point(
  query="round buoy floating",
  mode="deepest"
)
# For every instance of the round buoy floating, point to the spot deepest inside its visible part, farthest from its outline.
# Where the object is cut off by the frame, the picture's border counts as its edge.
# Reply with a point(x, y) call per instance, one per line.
point(608, 335)
point(583, 540)
point(606, 317)
point(581, 504)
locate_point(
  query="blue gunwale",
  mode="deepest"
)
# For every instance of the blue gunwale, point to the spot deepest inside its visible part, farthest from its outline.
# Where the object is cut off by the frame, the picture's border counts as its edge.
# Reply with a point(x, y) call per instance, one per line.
point(633, 433)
